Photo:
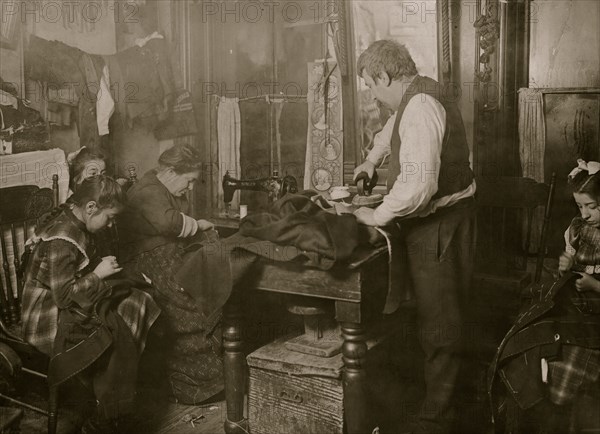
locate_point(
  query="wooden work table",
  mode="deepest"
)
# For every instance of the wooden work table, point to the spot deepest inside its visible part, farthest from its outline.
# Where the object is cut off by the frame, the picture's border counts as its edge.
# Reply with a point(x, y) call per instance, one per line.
point(357, 289)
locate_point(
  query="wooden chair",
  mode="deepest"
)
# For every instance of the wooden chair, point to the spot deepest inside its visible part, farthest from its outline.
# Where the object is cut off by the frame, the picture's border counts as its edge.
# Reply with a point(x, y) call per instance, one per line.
point(20, 210)
point(507, 216)
point(512, 212)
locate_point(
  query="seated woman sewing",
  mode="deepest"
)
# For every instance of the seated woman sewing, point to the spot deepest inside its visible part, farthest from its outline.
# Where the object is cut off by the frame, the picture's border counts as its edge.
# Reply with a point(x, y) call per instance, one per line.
point(155, 229)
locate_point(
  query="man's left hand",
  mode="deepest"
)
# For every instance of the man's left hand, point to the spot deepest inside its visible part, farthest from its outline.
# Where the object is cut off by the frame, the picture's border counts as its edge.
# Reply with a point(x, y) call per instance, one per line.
point(365, 216)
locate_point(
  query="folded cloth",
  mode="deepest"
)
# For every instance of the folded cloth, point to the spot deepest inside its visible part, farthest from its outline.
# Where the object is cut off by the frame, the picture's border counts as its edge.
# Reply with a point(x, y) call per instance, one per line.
point(294, 220)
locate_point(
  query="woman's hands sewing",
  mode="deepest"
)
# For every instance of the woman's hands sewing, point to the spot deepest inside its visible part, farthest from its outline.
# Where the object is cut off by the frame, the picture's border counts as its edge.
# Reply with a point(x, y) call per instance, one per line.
point(205, 225)
point(565, 262)
point(107, 267)
point(587, 283)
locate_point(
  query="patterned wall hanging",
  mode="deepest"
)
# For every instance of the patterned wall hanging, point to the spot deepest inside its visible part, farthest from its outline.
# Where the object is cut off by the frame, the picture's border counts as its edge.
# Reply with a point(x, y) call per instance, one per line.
point(325, 145)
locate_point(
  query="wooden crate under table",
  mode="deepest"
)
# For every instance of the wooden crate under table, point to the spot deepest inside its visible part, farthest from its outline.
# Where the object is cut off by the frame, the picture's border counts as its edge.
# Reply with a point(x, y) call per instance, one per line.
point(291, 392)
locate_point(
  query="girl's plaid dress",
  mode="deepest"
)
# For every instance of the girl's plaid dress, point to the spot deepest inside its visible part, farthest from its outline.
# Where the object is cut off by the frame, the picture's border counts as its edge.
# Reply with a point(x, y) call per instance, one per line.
point(59, 276)
point(578, 367)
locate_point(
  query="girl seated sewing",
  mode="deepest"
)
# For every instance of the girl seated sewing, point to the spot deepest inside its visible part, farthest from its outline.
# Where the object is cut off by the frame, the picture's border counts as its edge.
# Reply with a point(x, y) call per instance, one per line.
point(82, 310)
point(549, 361)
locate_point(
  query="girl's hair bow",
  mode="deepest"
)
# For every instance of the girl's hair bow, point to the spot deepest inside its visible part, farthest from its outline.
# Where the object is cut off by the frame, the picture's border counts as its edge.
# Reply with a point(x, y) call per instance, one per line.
point(72, 155)
point(591, 167)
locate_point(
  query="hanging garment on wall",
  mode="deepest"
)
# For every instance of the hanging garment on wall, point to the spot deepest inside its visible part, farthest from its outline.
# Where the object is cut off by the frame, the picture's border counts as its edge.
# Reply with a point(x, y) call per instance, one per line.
point(52, 62)
point(181, 121)
point(58, 114)
point(532, 146)
point(55, 104)
point(105, 105)
point(142, 81)
point(60, 66)
point(229, 134)
point(89, 135)
point(324, 151)
point(532, 133)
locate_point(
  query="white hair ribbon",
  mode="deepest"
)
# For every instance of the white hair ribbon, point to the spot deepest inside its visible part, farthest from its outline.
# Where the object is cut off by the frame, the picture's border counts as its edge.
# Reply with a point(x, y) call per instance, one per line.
point(591, 167)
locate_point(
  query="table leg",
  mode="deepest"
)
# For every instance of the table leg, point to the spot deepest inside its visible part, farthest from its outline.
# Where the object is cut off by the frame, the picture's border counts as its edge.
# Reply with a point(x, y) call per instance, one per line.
point(234, 366)
point(354, 351)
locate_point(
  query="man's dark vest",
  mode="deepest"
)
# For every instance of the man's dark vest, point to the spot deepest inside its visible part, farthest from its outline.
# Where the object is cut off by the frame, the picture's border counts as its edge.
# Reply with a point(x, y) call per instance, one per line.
point(455, 173)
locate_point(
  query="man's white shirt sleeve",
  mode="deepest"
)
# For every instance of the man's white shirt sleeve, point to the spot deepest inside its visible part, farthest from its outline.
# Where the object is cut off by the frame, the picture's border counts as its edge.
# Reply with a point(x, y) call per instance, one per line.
point(421, 130)
point(382, 142)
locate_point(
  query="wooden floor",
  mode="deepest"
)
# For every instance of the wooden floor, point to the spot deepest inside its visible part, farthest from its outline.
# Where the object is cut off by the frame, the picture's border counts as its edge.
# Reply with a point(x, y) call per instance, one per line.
point(394, 398)
point(155, 414)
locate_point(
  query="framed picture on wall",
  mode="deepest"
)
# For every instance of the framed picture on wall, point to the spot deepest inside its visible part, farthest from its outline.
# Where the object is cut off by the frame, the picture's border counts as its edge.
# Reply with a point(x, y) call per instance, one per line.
point(9, 25)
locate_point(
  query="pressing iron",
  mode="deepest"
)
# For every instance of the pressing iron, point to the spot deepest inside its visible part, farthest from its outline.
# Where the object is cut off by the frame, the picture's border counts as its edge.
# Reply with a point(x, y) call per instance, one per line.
point(365, 187)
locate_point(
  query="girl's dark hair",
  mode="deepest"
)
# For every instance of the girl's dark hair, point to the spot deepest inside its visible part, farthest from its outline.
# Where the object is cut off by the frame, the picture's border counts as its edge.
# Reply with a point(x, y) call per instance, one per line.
point(386, 56)
point(583, 182)
point(181, 158)
point(102, 189)
point(77, 165)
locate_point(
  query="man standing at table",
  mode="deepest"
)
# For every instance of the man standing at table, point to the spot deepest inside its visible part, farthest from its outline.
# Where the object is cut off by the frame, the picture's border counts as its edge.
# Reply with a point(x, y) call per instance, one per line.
point(430, 189)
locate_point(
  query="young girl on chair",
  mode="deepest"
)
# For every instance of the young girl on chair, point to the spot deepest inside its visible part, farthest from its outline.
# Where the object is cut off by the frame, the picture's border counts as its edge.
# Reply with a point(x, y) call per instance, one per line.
point(80, 309)
point(549, 362)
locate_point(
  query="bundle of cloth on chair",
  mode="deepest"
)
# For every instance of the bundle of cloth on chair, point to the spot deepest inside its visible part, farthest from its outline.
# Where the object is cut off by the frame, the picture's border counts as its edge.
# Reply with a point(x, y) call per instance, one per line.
point(549, 357)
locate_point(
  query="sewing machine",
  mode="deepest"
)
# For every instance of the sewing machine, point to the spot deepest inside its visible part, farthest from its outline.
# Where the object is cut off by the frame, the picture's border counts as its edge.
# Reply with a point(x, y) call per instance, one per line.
point(274, 186)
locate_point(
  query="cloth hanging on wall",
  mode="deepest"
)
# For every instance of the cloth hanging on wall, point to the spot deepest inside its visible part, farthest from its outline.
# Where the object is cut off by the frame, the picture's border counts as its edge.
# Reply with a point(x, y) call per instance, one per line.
point(181, 121)
point(105, 105)
point(142, 82)
point(532, 133)
point(53, 62)
point(324, 151)
point(88, 123)
point(229, 133)
point(532, 145)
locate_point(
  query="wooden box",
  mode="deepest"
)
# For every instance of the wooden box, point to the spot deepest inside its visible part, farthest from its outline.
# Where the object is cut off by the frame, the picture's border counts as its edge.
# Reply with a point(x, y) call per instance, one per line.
point(290, 392)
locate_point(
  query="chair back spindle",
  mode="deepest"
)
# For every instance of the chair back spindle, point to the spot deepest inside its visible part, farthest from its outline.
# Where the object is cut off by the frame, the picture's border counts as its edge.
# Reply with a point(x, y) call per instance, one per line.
point(20, 209)
point(510, 226)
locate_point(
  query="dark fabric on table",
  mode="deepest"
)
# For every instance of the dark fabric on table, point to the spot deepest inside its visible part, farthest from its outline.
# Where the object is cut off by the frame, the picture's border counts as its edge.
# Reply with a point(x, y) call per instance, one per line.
point(293, 229)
